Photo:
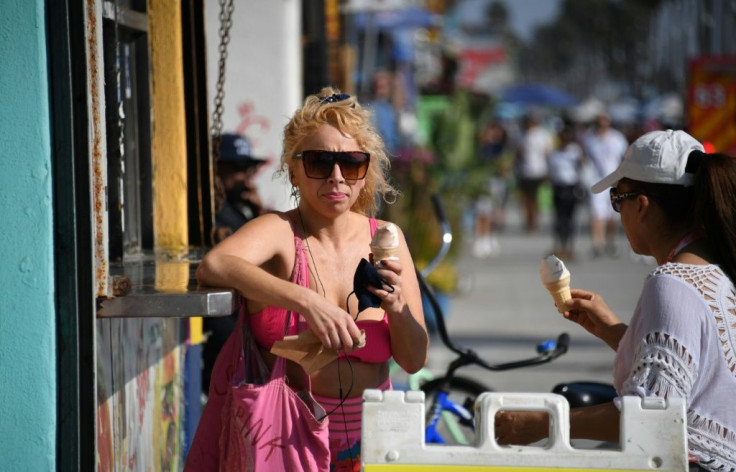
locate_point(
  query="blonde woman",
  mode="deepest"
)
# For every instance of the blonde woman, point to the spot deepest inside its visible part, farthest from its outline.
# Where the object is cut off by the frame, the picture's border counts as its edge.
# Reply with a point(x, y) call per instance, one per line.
point(303, 261)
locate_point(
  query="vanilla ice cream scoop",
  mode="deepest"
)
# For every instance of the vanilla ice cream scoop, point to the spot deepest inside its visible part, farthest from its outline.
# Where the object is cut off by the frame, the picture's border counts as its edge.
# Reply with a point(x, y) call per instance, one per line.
point(553, 269)
point(385, 243)
point(556, 278)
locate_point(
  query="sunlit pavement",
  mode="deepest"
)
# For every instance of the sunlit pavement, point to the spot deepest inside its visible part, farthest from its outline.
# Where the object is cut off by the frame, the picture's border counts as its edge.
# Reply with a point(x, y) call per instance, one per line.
point(502, 310)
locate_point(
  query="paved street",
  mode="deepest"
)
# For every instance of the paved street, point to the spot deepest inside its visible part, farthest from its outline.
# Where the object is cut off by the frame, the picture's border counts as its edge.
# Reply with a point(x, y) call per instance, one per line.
point(502, 310)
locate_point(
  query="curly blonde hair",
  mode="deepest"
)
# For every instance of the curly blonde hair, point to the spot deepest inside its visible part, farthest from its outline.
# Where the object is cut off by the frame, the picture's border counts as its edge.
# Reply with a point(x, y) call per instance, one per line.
point(345, 114)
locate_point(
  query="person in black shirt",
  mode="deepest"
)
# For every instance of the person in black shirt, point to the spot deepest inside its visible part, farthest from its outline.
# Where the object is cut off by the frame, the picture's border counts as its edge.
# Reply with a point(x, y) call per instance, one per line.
point(236, 169)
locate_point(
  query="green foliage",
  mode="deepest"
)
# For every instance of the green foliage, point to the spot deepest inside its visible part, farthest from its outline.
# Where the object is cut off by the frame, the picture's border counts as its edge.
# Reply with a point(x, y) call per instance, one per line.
point(447, 164)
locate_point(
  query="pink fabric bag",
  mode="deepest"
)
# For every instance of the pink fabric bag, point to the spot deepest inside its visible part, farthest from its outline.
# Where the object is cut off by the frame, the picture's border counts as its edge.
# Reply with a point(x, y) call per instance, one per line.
point(267, 426)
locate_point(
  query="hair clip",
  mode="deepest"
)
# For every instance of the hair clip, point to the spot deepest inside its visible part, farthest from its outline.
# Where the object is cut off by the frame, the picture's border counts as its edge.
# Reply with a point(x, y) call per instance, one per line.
point(335, 97)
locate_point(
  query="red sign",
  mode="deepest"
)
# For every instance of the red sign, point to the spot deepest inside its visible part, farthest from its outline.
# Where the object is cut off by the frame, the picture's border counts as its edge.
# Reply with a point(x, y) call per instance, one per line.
point(712, 102)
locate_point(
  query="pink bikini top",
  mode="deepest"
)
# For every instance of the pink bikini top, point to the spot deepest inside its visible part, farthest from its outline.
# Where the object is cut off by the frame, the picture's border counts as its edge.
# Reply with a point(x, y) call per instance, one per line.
point(267, 325)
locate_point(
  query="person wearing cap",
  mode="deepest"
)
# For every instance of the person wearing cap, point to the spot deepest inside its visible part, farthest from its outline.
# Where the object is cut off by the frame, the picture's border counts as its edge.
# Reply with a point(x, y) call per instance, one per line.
point(677, 205)
point(236, 169)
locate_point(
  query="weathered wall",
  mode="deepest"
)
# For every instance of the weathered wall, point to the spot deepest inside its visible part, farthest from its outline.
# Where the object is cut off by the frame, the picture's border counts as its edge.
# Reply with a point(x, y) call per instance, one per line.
point(263, 80)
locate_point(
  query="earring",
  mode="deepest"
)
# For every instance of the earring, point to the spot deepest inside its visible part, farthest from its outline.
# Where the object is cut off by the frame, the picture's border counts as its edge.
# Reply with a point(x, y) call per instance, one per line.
point(294, 195)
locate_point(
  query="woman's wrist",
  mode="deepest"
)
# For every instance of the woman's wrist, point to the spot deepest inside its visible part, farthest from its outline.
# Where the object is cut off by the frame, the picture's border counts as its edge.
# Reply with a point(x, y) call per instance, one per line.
point(614, 334)
point(305, 301)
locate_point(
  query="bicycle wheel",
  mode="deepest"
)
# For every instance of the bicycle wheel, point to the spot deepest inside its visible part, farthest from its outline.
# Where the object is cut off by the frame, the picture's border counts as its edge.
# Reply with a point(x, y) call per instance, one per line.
point(452, 428)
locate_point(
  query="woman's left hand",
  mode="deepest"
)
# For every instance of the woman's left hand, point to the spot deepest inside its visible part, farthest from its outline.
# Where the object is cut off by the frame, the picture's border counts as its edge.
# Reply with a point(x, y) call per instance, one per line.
point(521, 427)
point(392, 299)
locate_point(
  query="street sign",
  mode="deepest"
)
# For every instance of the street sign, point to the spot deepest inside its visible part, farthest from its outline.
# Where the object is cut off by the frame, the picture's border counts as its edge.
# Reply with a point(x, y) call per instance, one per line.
point(712, 102)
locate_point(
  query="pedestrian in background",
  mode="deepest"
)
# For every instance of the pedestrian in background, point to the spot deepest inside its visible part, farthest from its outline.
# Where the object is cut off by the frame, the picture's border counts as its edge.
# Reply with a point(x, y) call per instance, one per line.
point(532, 166)
point(604, 146)
point(565, 164)
point(236, 169)
point(490, 203)
point(384, 115)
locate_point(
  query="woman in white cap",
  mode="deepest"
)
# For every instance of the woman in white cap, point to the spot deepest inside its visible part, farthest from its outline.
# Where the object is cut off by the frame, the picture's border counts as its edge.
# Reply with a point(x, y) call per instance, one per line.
point(677, 204)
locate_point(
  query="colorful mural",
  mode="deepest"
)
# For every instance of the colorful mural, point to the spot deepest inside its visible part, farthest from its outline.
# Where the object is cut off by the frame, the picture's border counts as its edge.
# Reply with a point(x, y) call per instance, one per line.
point(140, 400)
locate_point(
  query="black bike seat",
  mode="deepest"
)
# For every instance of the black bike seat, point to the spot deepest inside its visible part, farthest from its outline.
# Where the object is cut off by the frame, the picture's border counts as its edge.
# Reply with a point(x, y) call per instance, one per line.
point(585, 393)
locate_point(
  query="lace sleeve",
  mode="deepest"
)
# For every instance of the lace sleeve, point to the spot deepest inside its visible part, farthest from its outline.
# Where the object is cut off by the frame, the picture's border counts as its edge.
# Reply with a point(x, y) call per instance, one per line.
point(662, 367)
point(665, 339)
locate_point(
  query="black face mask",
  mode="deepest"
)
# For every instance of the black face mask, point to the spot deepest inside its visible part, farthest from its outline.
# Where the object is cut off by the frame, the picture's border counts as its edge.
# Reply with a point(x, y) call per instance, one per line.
point(366, 275)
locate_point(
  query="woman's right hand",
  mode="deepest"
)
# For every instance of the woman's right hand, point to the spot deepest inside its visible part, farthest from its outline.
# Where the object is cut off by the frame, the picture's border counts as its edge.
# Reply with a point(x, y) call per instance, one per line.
point(332, 325)
point(589, 310)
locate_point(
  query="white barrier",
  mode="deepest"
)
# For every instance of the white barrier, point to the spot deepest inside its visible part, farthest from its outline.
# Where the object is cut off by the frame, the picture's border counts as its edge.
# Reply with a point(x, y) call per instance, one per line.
point(653, 437)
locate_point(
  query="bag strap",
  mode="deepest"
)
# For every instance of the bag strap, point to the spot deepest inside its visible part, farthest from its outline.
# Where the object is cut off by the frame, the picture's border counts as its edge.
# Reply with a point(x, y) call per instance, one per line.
point(255, 369)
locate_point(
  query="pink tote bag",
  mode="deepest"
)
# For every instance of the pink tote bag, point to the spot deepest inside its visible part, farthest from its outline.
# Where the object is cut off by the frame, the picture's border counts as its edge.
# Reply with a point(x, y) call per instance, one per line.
point(267, 426)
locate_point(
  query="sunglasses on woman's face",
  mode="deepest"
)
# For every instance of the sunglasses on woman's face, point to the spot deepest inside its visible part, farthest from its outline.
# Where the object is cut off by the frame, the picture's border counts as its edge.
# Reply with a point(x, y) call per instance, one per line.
point(617, 198)
point(320, 164)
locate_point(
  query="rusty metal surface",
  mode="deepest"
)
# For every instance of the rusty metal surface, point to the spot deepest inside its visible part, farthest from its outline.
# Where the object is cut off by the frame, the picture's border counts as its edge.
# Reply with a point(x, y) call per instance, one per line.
point(98, 149)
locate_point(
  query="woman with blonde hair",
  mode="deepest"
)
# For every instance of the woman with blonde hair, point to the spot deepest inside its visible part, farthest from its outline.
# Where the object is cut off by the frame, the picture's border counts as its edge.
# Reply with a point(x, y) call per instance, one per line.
point(303, 262)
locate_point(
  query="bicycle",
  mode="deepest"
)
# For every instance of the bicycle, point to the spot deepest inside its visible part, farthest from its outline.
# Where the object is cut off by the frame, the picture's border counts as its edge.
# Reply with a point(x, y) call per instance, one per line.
point(449, 399)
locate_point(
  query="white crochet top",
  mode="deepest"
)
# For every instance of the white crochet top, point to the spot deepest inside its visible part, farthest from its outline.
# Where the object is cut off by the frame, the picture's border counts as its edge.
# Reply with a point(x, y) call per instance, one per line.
point(682, 342)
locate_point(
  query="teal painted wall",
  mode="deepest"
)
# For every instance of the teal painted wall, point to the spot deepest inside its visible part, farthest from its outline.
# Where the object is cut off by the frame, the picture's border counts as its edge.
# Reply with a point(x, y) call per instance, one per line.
point(27, 312)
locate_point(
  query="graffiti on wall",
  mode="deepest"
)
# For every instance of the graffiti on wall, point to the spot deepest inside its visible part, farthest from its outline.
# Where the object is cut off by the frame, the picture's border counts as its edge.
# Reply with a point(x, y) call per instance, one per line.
point(140, 400)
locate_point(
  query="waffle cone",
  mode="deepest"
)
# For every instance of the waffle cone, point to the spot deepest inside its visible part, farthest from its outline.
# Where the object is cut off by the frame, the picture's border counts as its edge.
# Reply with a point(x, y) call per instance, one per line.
point(560, 291)
point(384, 253)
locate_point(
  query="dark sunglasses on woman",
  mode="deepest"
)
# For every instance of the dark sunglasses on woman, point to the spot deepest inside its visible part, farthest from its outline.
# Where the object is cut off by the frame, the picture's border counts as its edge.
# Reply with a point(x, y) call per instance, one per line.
point(617, 198)
point(319, 164)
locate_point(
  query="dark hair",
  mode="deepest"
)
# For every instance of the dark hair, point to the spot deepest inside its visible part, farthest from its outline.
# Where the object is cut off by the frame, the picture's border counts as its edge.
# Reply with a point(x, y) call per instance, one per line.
point(675, 201)
point(715, 208)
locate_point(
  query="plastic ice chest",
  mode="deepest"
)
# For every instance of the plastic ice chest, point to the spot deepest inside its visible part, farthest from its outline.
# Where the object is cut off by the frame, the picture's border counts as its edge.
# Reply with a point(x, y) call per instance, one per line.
point(653, 437)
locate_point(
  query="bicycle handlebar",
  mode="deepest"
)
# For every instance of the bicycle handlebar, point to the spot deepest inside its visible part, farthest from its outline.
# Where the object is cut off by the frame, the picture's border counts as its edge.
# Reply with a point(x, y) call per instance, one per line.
point(468, 356)
point(563, 342)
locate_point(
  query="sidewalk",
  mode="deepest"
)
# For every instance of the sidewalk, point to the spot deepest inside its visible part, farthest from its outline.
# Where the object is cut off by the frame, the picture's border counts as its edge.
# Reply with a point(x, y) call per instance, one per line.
point(502, 310)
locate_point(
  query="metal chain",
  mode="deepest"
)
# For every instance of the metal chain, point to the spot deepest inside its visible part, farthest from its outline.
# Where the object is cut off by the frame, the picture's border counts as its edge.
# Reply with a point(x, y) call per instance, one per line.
point(226, 12)
point(121, 111)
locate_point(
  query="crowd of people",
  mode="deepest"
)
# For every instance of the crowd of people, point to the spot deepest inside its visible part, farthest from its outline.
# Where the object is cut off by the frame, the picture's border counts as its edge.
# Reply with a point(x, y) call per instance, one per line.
point(554, 158)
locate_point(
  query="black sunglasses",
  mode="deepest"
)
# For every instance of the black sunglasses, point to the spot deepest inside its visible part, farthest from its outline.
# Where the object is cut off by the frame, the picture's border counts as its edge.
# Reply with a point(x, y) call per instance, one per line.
point(320, 164)
point(617, 198)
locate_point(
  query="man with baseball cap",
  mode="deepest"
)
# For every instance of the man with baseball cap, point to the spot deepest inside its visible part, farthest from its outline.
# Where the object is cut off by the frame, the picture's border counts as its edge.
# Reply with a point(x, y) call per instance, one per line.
point(236, 169)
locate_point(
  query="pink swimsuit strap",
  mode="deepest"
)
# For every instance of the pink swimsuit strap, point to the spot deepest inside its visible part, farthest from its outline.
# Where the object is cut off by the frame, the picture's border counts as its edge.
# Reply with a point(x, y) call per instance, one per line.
point(267, 325)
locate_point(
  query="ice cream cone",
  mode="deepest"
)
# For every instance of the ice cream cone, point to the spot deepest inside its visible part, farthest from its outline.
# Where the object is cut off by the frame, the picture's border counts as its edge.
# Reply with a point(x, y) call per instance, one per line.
point(560, 291)
point(384, 253)
point(385, 243)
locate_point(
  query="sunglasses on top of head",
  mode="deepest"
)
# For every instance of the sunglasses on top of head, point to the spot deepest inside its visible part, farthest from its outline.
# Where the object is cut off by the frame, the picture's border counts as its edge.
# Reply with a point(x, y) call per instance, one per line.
point(320, 164)
point(617, 198)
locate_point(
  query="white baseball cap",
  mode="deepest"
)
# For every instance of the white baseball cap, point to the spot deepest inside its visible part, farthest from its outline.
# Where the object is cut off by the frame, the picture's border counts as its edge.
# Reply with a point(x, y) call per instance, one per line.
point(658, 157)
